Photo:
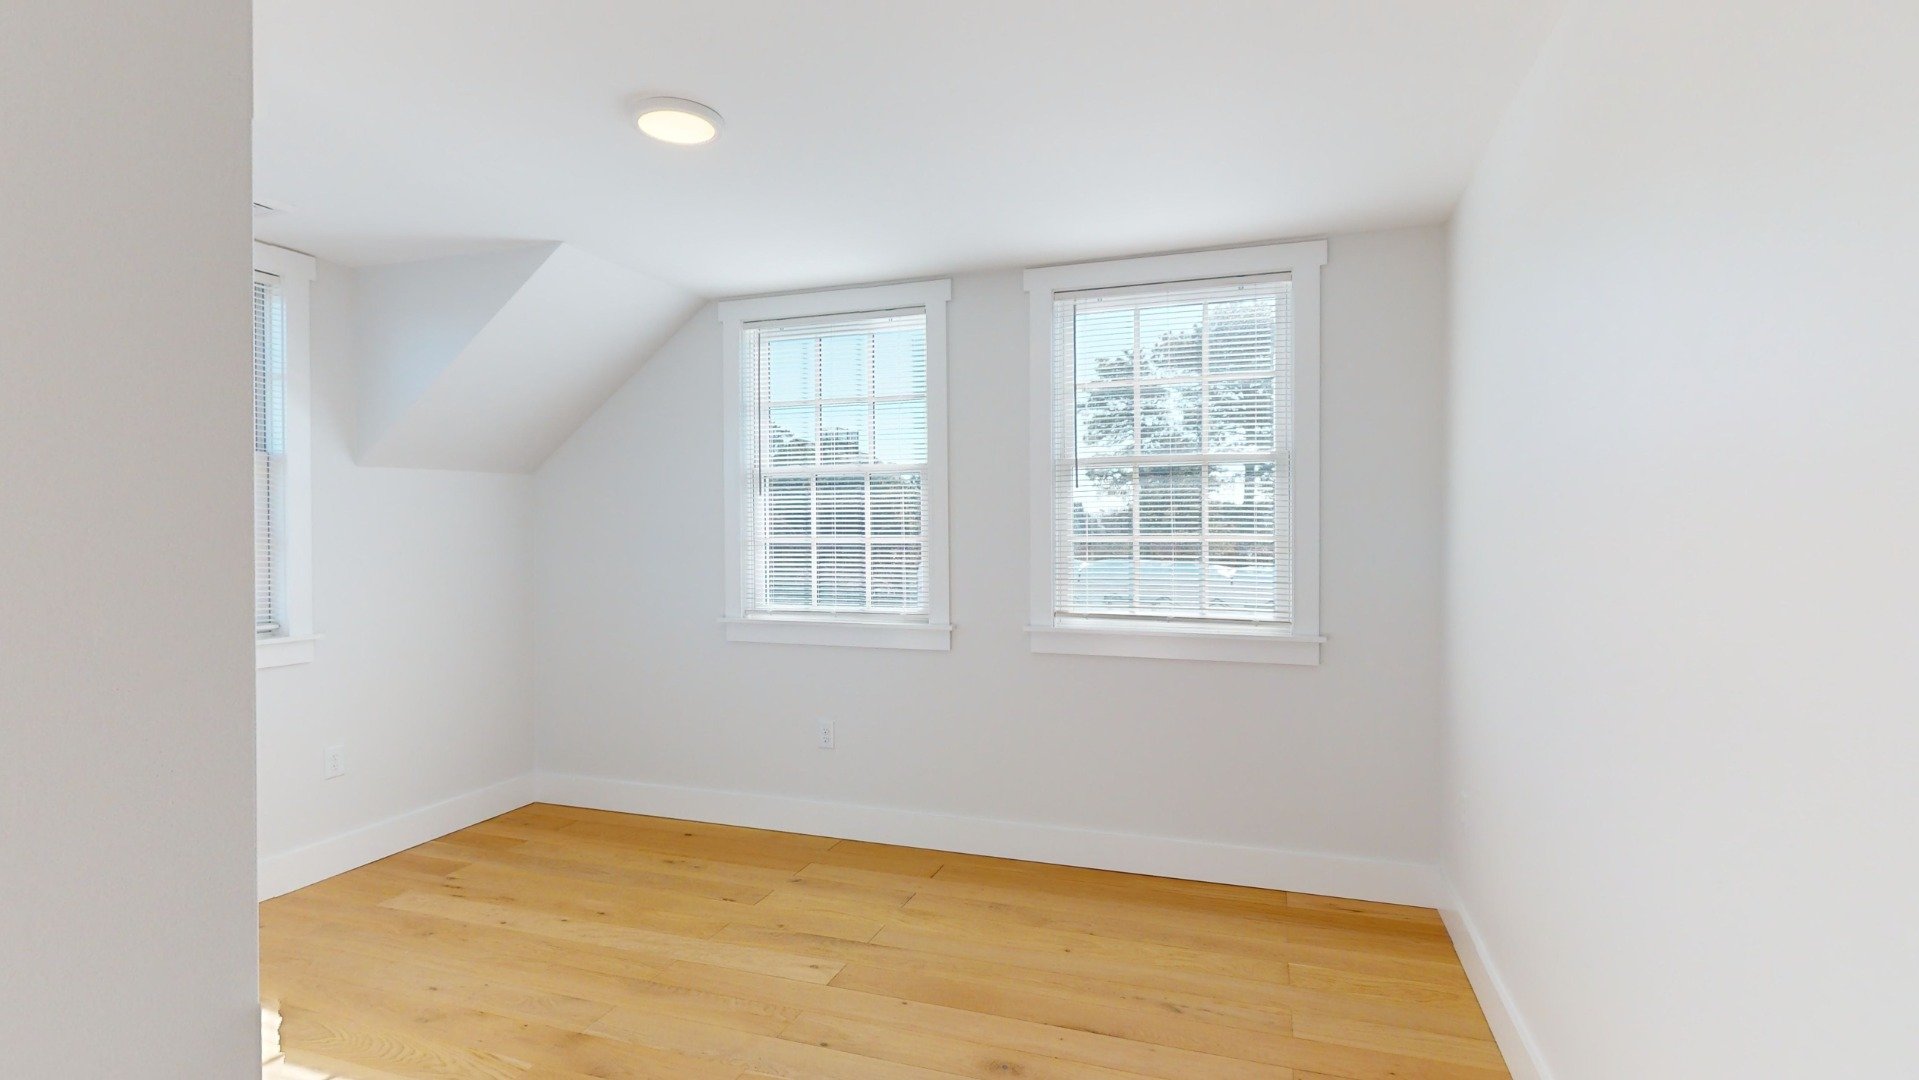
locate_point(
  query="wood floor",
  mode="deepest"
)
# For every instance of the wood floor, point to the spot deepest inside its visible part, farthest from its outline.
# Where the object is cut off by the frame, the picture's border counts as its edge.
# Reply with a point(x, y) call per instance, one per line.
point(555, 943)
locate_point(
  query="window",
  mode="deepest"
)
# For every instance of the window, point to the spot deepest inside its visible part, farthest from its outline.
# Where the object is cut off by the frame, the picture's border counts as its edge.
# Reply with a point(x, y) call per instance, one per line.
point(282, 574)
point(1176, 475)
point(836, 474)
point(269, 447)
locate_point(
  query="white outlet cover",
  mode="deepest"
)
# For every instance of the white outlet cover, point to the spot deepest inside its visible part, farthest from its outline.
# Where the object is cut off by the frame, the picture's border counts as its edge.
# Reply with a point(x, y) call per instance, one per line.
point(826, 734)
point(335, 762)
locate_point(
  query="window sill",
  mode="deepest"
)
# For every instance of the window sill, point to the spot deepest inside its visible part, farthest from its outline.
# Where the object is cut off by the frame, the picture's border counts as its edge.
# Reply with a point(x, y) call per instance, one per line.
point(864, 635)
point(283, 651)
point(1246, 647)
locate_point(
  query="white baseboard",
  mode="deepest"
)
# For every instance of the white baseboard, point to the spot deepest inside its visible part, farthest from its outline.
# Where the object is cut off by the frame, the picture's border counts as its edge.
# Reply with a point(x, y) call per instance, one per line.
point(303, 866)
point(1197, 860)
point(1516, 1042)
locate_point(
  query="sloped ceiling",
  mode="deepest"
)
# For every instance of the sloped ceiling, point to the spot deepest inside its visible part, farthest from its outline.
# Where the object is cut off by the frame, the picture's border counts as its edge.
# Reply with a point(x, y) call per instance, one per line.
point(871, 140)
point(488, 362)
point(864, 141)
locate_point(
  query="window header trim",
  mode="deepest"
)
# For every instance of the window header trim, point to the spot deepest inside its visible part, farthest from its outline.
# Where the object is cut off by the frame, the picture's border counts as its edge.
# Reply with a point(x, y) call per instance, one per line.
point(866, 299)
point(1188, 266)
point(1196, 288)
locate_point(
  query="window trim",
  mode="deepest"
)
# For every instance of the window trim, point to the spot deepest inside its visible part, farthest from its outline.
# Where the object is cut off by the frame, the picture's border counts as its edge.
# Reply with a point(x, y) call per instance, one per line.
point(1299, 643)
point(295, 643)
point(933, 632)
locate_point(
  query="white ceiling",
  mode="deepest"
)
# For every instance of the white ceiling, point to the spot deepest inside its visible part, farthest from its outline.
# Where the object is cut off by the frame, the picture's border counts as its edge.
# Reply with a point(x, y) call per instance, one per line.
point(870, 139)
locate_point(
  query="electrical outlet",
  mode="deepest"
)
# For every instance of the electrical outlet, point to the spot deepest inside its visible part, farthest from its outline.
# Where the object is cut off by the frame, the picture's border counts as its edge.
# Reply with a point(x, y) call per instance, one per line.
point(826, 734)
point(335, 761)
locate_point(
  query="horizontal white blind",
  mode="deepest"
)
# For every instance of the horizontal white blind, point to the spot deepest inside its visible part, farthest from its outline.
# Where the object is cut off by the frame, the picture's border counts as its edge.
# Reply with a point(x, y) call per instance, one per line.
point(1172, 439)
point(834, 424)
point(269, 445)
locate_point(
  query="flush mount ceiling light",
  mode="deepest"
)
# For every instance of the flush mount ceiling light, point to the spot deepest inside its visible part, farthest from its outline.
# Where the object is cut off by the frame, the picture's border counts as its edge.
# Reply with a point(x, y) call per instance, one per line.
point(678, 121)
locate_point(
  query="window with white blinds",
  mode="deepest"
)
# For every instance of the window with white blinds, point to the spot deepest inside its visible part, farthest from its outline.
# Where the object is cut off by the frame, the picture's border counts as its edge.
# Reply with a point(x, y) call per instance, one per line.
point(282, 457)
point(835, 467)
point(1172, 458)
point(834, 426)
point(269, 451)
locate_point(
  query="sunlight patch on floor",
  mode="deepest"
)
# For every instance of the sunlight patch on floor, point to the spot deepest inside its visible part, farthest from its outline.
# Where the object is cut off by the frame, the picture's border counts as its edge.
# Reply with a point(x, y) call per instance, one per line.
point(273, 1064)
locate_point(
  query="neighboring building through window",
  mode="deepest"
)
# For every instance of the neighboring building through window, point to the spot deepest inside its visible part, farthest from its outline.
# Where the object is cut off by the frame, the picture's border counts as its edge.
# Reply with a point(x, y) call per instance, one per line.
point(836, 471)
point(1178, 471)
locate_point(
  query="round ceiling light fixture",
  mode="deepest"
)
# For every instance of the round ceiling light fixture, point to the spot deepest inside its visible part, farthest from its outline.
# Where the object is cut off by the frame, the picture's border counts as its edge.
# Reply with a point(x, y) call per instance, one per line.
point(678, 121)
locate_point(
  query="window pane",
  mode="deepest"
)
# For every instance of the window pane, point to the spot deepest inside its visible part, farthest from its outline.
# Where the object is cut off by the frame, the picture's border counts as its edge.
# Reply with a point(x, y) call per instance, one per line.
point(789, 575)
point(1103, 502)
point(1240, 335)
point(1169, 340)
point(842, 575)
point(1103, 344)
point(817, 511)
point(263, 603)
point(900, 433)
point(844, 439)
point(789, 364)
point(1169, 576)
point(842, 505)
point(896, 504)
point(1240, 415)
point(1169, 418)
point(1102, 576)
point(1239, 499)
point(898, 576)
point(269, 440)
point(1181, 375)
point(789, 436)
point(1242, 577)
point(269, 369)
point(843, 366)
point(899, 362)
point(1105, 420)
point(789, 506)
point(1169, 498)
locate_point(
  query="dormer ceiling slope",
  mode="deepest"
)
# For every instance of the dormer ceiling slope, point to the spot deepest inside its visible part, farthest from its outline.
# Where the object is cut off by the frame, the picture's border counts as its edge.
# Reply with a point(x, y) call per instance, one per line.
point(488, 362)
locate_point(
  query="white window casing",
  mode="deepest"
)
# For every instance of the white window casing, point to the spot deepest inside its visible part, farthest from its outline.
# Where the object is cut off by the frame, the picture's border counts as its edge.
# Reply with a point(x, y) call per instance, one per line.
point(1175, 456)
point(835, 467)
point(282, 457)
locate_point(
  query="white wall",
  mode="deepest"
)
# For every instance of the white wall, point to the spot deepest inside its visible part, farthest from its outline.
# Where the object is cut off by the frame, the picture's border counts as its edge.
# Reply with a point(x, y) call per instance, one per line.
point(126, 663)
point(1684, 511)
point(420, 591)
point(636, 683)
